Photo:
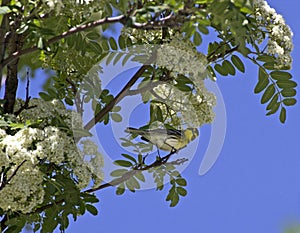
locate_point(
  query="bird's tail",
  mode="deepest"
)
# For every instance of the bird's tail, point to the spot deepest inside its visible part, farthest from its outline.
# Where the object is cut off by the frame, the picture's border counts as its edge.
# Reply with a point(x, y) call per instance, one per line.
point(133, 130)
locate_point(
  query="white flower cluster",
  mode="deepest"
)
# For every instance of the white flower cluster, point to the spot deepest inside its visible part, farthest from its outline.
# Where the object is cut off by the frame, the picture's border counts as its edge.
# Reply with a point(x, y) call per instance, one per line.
point(280, 34)
point(181, 57)
point(30, 147)
point(192, 109)
point(47, 110)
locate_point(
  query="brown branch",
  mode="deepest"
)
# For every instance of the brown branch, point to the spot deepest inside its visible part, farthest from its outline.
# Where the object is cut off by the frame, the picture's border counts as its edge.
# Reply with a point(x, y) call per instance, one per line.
point(4, 183)
point(55, 39)
point(27, 98)
point(120, 95)
point(138, 168)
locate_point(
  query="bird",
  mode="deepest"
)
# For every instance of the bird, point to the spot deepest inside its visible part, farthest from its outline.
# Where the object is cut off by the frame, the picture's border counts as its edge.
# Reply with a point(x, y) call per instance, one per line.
point(166, 139)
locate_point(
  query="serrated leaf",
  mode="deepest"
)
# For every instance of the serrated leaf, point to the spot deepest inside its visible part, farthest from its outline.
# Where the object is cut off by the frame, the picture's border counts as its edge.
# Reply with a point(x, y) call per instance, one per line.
point(181, 191)
point(286, 84)
point(289, 101)
point(238, 63)
point(92, 209)
point(282, 116)
point(123, 163)
point(229, 67)
point(269, 92)
point(263, 81)
point(129, 157)
point(289, 92)
point(113, 43)
point(118, 172)
point(280, 75)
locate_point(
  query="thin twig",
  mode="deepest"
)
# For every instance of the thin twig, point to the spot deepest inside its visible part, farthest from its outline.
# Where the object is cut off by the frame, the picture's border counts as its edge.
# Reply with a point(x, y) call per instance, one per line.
point(4, 183)
point(98, 117)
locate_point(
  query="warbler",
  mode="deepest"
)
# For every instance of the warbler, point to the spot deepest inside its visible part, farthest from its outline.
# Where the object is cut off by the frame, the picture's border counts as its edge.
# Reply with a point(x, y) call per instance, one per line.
point(166, 139)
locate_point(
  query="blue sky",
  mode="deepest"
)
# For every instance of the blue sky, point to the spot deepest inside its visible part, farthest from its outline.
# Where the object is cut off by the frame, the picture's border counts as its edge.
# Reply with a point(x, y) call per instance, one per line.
point(254, 186)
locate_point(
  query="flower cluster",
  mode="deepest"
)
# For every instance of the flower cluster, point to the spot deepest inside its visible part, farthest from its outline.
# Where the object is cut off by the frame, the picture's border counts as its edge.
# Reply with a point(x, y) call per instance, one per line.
point(193, 109)
point(280, 35)
point(22, 154)
point(181, 57)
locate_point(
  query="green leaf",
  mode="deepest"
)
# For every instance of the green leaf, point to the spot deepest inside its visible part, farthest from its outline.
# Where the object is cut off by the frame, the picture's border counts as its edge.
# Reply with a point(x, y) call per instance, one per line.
point(238, 63)
point(93, 35)
point(116, 117)
point(203, 28)
point(286, 84)
point(140, 176)
point(197, 39)
point(220, 70)
point(113, 43)
point(265, 58)
point(280, 75)
point(120, 189)
point(229, 67)
point(118, 172)
point(104, 45)
point(81, 133)
point(289, 92)
point(282, 116)
point(4, 10)
point(92, 209)
point(181, 181)
point(274, 109)
point(126, 58)
point(117, 58)
point(263, 81)
point(290, 101)
point(268, 94)
point(129, 157)
point(45, 96)
point(181, 191)
point(273, 102)
point(110, 57)
point(123, 163)
point(174, 200)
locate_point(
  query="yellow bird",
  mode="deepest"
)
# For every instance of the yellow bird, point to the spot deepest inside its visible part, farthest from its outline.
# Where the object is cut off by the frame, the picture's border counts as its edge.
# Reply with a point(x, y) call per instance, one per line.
point(166, 139)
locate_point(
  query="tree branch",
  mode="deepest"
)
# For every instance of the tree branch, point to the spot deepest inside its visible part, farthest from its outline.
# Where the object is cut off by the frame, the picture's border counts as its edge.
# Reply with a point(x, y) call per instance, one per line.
point(120, 95)
point(138, 168)
point(54, 39)
point(5, 182)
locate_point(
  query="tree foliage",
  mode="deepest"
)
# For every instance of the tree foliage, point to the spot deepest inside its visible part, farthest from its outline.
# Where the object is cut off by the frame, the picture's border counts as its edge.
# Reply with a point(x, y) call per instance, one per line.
point(69, 39)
